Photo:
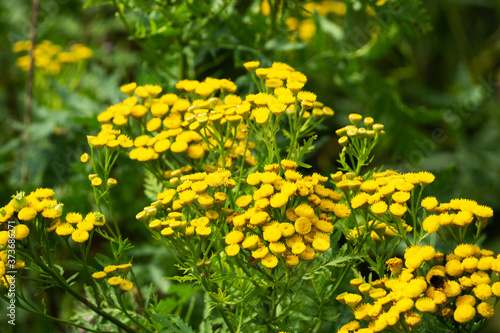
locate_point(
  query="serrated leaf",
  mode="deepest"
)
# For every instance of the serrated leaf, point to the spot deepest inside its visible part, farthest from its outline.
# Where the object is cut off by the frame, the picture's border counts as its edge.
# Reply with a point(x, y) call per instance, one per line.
point(172, 323)
point(152, 186)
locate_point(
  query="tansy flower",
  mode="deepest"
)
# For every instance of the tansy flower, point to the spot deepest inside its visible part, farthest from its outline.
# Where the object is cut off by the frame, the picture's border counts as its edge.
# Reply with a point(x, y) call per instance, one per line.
point(401, 197)
point(464, 313)
point(126, 285)
point(426, 304)
point(454, 268)
point(115, 280)
point(234, 237)
point(80, 236)
point(292, 260)
point(287, 229)
point(277, 247)
point(379, 208)
point(412, 318)
point(352, 299)
point(203, 231)
point(397, 209)
point(250, 242)
point(467, 250)
point(232, 250)
point(73, 217)
point(251, 66)
point(27, 214)
point(431, 224)
point(463, 218)
point(465, 300)
point(482, 291)
point(260, 218)
point(321, 245)
point(269, 261)
point(304, 211)
point(485, 310)
point(99, 275)
point(469, 264)
point(65, 229)
point(483, 212)
point(260, 253)
point(425, 177)
point(279, 200)
point(303, 225)
point(429, 203)
point(21, 231)
point(272, 234)
point(359, 200)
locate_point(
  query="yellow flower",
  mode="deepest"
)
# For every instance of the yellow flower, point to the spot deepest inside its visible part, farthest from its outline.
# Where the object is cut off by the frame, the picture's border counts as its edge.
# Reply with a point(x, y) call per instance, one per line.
point(99, 275)
point(429, 203)
point(302, 225)
point(482, 291)
point(73, 217)
point(464, 313)
point(431, 224)
point(379, 207)
point(95, 218)
point(260, 253)
point(232, 250)
point(277, 247)
point(269, 261)
point(321, 245)
point(359, 200)
point(469, 264)
point(341, 210)
point(304, 210)
point(115, 280)
point(234, 237)
point(203, 231)
point(485, 310)
point(425, 177)
point(251, 66)
point(64, 229)
point(292, 260)
point(85, 225)
point(425, 304)
point(126, 285)
point(80, 235)
point(463, 218)
point(483, 212)
point(260, 218)
point(21, 231)
point(352, 299)
point(467, 250)
point(401, 197)
point(27, 214)
point(261, 115)
point(128, 88)
point(96, 181)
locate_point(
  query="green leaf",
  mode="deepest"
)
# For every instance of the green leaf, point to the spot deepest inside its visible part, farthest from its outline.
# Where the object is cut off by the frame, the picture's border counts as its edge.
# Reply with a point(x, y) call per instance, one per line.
point(172, 323)
point(152, 186)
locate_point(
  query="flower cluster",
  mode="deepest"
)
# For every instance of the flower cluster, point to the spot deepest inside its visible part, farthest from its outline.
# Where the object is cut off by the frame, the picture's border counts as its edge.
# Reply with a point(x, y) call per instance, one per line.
point(49, 57)
point(40, 205)
point(191, 207)
point(284, 218)
point(456, 288)
point(116, 276)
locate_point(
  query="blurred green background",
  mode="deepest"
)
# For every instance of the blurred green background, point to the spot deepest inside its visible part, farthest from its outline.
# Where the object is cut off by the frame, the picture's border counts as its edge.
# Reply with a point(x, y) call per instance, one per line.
point(428, 70)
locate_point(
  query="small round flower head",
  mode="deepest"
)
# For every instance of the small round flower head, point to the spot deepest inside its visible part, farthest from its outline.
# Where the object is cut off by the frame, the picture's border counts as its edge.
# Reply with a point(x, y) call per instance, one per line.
point(292, 260)
point(21, 231)
point(126, 285)
point(483, 212)
point(429, 203)
point(467, 250)
point(260, 253)
point(485, 310)
point(454, 268)
point(115, 280)
point(482, 291)
point(65, 229)
point(27, 213)
point(269, 261)
point(99, 275)
point(426, 177)
point(426, 304)
point(203, 231)
point(464, 313)
point(80, 236)
point(495, 288)
point(232, 250)
point(352, 299)
point(128, 88)
point(379, 208)
point(469, 264)
point(398, 209)
point(303, 225)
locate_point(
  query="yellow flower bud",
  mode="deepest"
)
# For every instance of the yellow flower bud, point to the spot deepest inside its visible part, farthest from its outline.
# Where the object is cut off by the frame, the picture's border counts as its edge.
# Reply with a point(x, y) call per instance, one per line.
point(85, 158)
